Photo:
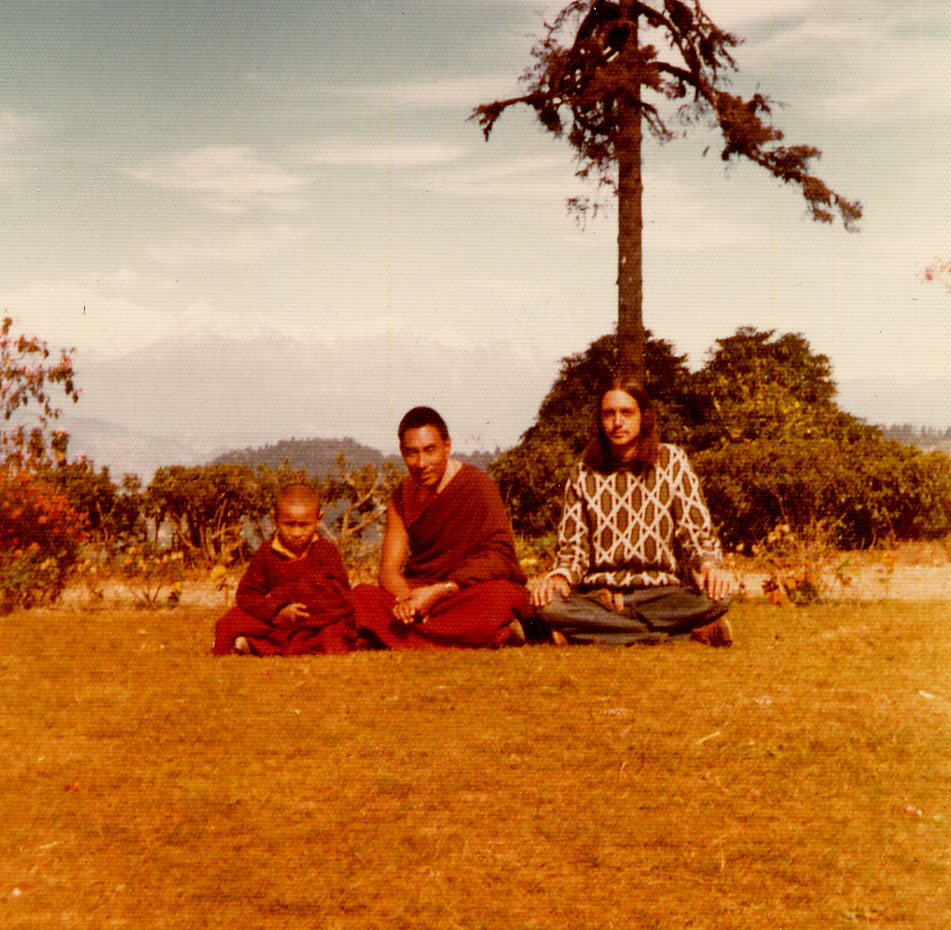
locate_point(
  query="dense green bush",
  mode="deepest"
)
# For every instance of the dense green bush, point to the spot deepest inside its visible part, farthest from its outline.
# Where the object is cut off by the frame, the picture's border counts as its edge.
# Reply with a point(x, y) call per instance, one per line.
point(207, 507)
point(761, 425)
point(865, 492)
point(113, 512)
point(40, 539)
point(221, 512)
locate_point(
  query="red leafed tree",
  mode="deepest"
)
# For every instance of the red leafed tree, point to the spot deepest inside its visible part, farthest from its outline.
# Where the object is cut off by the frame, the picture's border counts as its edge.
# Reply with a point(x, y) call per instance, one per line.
point(28, 376)
point(939, 270)
point(599, 82)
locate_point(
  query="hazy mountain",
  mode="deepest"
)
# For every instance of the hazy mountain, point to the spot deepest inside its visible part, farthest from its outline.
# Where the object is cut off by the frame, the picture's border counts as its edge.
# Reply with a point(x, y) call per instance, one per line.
point(125, 450)
point(319, 456)
point(316, 456)
point(187, 399)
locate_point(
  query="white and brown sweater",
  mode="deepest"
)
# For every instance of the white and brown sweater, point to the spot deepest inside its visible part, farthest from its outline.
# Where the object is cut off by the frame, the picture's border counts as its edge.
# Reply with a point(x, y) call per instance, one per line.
point(625, 530)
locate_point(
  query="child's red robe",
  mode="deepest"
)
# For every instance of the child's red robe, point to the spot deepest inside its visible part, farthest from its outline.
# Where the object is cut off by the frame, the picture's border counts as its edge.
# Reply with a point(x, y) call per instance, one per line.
point(318, 580)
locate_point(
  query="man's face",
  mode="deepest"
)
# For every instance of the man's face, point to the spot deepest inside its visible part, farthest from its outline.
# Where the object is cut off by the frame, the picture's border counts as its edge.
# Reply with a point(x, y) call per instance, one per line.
point(296, 524)
point(426, 454)
point(620, 420)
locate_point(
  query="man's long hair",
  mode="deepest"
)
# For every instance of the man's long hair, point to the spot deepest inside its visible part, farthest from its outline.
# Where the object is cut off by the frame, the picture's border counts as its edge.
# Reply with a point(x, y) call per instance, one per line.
point(598, 454)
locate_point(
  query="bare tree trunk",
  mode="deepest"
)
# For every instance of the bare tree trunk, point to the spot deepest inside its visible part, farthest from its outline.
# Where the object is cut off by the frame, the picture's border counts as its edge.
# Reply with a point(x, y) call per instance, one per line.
point(630, 281)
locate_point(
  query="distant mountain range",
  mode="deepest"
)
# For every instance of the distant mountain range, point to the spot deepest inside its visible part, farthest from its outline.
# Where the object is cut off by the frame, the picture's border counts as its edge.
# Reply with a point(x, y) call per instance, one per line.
point(319, 456)
point(191, 400)
point(315, 456)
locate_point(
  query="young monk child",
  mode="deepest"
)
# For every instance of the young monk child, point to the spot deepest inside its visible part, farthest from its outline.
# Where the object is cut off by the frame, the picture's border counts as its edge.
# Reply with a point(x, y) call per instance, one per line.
point(294, 597)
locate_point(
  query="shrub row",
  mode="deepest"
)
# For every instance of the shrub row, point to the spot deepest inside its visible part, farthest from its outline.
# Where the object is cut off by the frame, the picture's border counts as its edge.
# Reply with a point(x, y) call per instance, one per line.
point(866, 491)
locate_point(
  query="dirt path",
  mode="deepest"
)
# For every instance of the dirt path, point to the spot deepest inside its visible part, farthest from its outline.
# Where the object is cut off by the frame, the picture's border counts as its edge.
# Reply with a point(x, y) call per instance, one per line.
point(914, 571)
point(904, 582)
point(910, 572)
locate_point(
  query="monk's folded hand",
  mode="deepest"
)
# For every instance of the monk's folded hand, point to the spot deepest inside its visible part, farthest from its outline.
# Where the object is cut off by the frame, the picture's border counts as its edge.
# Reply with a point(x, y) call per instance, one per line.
point(422, 600)
point(291, 614)
point(415, 606)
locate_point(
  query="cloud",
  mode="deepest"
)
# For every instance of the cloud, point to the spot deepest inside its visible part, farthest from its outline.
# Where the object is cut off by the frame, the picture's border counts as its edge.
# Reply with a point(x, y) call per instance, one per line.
point(547, 177)
point(730, 14)
point(339, 152)
point(16, 126)
point(465, 92)
point(226, 178)
point(106, 312)
point(233, 246)
point(863, 66)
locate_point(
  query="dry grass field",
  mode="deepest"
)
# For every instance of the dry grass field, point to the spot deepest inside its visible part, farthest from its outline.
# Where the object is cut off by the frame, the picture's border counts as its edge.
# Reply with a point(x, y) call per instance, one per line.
point(801, 779)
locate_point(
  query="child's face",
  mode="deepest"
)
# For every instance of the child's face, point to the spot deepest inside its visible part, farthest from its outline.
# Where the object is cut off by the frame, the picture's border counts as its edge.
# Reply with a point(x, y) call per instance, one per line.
point(296, 524)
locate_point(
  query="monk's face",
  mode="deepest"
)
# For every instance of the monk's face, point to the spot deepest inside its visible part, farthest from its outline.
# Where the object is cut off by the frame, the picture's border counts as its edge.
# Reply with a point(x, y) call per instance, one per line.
point(426, 455)
point(621, 422)
point(297, 522)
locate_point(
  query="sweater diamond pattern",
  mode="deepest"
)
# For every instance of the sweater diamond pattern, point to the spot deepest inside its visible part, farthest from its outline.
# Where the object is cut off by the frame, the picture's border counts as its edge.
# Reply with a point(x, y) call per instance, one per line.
point(627, 530)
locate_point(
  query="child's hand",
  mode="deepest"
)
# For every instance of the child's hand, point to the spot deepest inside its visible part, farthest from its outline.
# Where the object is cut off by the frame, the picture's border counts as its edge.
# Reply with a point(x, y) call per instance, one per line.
point(291, 614)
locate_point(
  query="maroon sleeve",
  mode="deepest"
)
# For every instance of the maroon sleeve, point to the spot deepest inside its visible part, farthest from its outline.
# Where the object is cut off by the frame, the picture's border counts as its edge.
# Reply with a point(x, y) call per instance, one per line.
point(256, 589)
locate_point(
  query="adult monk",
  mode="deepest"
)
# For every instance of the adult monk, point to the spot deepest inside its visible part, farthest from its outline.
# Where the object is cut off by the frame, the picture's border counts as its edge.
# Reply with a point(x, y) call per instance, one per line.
point(449, 576)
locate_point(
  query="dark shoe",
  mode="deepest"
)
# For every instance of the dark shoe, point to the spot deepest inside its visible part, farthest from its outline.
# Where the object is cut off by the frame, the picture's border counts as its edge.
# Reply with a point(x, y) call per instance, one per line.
point(516, 633)
point(716, 634)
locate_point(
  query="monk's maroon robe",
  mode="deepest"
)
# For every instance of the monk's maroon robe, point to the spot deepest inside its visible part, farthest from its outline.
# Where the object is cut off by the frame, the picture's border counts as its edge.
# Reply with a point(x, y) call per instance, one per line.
point(273, 580)
point(462, 535)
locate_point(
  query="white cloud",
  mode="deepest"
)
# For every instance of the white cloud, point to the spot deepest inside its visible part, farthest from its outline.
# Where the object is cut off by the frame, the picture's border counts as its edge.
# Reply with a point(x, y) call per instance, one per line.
point(233, 246)
point(548, 177)
point(16, 126)
point(866, 68)
point(103, 312)
point(451, 92)
point(730, 14)
point(226, 178)
point(339, 152)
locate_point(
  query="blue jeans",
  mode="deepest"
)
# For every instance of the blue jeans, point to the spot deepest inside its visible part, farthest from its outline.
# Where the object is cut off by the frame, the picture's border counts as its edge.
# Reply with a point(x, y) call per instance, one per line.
point(650, 615)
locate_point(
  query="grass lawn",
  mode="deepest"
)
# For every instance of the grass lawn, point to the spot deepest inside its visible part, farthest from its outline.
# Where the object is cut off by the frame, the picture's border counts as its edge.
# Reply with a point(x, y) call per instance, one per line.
point(801, 779)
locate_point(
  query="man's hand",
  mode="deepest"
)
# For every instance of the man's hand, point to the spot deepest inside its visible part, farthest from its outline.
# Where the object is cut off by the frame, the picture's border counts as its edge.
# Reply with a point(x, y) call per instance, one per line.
point(545, 590)
point(715, 581)
point(612, 600)
point(417, 604)
point(291, 614)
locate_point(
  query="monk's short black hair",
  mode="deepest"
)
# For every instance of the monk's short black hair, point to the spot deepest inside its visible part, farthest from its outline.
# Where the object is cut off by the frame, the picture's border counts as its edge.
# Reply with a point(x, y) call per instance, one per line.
point(419, 417)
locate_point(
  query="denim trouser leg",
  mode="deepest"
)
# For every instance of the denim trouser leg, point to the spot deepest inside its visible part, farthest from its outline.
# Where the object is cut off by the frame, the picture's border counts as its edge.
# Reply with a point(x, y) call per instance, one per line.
point(650, 615)
point(673, 608)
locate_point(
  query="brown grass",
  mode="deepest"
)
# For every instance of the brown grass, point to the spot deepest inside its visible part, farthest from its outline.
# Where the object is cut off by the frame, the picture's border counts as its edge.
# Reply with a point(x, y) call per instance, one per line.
point(801, 779)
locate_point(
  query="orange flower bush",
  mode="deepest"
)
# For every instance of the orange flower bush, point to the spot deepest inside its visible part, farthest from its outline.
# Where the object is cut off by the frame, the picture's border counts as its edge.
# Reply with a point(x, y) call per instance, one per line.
point(40, 539)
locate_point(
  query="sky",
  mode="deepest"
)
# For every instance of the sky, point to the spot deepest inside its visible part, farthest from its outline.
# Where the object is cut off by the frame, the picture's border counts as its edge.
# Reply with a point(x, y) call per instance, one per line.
point(304, 173)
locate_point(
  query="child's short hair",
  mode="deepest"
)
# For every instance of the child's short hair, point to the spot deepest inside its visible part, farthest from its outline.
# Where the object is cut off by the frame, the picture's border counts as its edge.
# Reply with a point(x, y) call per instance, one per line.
point(298, 492)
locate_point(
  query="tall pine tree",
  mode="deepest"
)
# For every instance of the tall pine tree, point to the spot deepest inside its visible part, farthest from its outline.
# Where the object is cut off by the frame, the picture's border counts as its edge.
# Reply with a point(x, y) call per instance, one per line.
point(599, 82)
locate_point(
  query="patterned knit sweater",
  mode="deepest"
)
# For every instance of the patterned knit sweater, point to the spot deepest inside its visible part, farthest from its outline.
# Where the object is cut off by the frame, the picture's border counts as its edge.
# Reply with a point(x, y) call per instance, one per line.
point(622, 530)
